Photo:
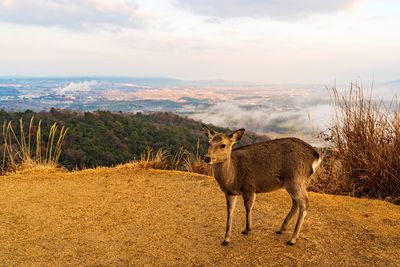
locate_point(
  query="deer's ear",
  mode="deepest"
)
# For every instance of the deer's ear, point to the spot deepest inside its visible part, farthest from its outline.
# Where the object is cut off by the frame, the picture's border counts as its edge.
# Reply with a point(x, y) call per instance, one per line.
point(209, 133)
point(237, 135)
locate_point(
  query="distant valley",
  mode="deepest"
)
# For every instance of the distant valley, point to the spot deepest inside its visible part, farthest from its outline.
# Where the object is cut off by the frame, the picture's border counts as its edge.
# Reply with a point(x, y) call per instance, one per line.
point(272, 109)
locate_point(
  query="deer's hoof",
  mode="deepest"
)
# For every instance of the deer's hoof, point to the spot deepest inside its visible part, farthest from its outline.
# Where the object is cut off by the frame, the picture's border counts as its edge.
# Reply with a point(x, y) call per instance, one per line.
point(246, 232)
point(291, 242)
point(225, 243)
point(279, 232)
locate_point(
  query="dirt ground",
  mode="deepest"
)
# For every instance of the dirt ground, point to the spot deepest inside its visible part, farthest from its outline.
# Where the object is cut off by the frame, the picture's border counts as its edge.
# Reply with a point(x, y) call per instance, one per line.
point(124, 216)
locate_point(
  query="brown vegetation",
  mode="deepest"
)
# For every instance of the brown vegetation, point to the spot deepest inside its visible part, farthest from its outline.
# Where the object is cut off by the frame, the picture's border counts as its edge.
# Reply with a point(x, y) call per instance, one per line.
point(364, 160)
point(182, 161)
point(23, 150)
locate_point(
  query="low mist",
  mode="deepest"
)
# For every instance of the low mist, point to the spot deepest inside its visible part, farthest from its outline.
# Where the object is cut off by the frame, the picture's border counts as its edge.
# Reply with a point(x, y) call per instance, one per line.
point(308, 119)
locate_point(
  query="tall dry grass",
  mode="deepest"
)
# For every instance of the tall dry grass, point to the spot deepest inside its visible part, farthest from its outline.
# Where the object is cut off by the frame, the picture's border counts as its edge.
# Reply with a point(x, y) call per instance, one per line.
point(23, 148)
point(364, 160)
point(193, 162)
point(182, 161)
point(161, 159)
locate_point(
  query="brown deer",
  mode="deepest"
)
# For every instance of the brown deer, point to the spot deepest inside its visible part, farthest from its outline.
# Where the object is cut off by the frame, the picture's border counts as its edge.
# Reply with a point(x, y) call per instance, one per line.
point(259, 168)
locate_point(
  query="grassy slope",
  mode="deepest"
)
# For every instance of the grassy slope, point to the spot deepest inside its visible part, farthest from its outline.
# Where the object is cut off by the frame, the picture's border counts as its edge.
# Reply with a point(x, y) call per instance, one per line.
point(122, 216)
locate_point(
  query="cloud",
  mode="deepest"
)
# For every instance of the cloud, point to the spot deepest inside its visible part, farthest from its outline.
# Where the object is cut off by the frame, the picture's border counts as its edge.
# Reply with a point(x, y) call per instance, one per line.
point(283, 9)
point(72, 14)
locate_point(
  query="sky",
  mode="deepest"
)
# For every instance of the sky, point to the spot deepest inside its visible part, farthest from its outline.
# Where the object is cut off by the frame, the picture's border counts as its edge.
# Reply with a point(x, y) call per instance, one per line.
point(267, 41)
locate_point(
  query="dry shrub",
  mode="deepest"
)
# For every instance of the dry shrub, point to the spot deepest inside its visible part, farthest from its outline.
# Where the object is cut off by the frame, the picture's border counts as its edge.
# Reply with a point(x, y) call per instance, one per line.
point(161, 159)
point(176, 162)
point(181, 161)
point(365, 137)
point(328, 178)
point(153, 160)
point(195, 163)
point(23, 149)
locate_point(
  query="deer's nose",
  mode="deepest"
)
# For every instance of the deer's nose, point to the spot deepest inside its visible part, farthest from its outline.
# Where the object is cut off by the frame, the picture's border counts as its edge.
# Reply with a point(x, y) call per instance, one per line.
point(207, 159)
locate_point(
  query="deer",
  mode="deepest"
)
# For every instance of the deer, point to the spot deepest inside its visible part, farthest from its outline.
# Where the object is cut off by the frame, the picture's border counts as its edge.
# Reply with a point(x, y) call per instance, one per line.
point(260, 168)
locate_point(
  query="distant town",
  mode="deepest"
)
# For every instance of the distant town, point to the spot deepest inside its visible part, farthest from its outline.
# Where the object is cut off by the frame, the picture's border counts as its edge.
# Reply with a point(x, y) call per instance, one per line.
point(134, 94)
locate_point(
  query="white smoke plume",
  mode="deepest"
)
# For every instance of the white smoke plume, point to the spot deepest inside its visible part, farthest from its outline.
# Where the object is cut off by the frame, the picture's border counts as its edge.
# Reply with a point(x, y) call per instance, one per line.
point(85, 86)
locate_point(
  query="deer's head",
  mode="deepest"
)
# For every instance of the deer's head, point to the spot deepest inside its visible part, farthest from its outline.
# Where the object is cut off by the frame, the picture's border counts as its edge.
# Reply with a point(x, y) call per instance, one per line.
point(221, 145)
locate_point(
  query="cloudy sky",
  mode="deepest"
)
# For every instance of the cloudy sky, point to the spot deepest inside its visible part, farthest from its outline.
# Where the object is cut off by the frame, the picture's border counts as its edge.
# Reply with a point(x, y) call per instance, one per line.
point(286, 41)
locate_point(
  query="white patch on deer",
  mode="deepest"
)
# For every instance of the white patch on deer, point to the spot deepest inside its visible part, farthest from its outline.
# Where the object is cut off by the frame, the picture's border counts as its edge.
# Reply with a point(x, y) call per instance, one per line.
point(316, 164)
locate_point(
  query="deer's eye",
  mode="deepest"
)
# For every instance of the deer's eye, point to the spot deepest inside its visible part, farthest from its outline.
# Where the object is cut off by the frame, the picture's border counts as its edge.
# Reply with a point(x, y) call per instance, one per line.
point(223, 146)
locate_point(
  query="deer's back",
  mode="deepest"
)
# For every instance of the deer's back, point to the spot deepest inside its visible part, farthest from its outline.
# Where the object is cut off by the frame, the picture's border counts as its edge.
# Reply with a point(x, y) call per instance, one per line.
point(264, 166)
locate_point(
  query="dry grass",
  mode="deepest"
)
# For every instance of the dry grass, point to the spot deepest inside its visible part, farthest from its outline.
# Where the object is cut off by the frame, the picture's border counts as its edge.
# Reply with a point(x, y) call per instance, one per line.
point(181, 161)
point(195, 163)
point(154, 160)
point(23, 149)
point(364, 160)
point(131, 217)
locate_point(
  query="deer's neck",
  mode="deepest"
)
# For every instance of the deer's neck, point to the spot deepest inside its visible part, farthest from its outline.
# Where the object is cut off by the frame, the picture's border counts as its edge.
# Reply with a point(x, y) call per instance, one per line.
point(225, 174)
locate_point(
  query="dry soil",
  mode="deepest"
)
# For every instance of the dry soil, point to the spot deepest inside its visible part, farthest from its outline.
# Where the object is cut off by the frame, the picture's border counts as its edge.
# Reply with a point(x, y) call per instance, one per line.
point(126, 216)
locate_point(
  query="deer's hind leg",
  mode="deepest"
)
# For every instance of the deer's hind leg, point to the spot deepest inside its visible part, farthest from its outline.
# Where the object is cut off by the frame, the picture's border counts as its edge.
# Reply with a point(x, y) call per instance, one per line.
point(289, 217)
point(297, 190)
point(248, 199)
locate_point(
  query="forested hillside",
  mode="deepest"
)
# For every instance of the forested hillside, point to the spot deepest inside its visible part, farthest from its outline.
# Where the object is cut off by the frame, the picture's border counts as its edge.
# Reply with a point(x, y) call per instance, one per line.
point(104, 138)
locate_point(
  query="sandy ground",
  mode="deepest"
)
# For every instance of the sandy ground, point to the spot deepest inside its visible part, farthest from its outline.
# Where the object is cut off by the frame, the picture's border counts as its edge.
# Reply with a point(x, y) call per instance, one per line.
point(123, 216)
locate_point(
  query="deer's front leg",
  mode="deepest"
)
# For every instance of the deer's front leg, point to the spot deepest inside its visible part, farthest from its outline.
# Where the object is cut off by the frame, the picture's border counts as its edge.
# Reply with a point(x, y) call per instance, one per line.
point(230, 205)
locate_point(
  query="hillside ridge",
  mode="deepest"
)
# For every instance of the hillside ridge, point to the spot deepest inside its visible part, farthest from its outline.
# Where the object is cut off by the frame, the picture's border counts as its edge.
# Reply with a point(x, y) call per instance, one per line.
point(104, 138)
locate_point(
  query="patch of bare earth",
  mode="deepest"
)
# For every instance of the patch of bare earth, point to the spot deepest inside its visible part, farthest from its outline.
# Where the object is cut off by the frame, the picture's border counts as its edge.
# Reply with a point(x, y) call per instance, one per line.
point(124, 216)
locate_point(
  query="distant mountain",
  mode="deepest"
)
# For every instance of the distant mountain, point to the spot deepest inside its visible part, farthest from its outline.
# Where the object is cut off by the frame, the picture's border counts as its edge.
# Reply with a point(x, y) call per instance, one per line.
point(149, 81)
point(395, 83)
point(145, 81)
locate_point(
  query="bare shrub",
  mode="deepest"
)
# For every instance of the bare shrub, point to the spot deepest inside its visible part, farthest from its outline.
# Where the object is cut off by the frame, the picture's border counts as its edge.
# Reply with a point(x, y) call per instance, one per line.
point(365, 138)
